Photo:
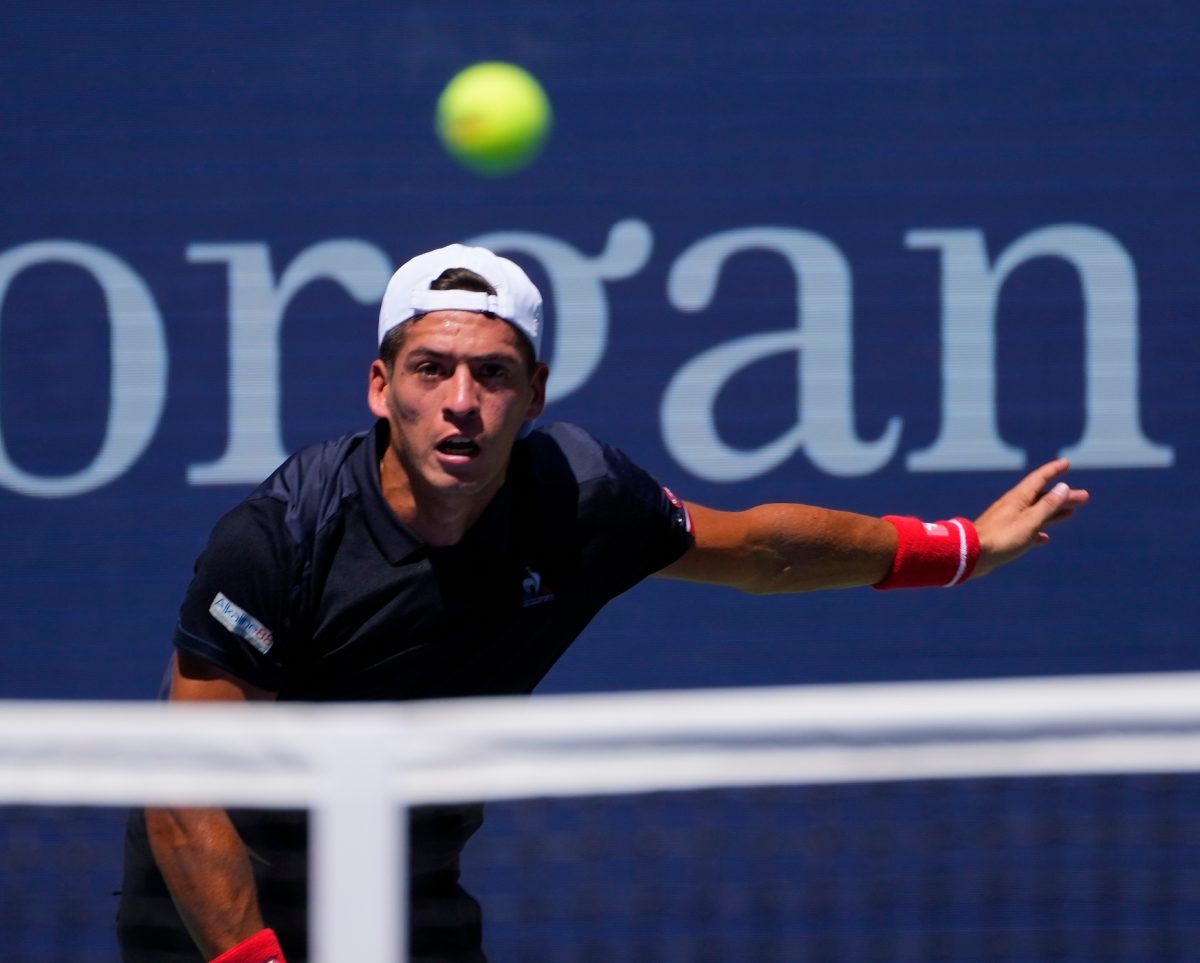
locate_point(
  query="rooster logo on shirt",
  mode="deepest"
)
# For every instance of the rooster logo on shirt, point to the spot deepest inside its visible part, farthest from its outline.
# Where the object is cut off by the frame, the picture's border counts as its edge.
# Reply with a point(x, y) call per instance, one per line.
point(533, 592)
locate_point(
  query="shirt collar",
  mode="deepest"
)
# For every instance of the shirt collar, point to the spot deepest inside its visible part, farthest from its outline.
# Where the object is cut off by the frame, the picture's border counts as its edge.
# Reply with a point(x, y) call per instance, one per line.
point(396, 540)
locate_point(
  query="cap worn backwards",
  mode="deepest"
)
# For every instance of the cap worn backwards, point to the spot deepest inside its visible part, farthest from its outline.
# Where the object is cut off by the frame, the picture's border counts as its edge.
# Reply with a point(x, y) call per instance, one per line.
point(516, 300)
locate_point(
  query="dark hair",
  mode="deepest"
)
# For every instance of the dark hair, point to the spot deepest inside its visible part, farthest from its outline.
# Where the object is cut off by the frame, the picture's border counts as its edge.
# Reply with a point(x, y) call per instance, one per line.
point(452, 279)
point(461, 279)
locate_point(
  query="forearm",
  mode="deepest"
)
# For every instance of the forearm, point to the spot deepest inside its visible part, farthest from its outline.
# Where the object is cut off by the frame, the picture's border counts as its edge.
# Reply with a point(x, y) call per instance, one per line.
point(207, 869)
point(800, 548)
point(773, 549)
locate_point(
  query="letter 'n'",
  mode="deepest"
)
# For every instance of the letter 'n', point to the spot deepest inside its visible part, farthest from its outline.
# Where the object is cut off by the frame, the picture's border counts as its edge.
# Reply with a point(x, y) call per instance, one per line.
point(969, 437)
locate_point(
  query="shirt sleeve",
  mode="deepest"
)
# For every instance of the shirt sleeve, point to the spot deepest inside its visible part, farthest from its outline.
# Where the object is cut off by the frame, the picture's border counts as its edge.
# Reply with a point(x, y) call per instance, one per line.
point(236, 613)
point(639, 525)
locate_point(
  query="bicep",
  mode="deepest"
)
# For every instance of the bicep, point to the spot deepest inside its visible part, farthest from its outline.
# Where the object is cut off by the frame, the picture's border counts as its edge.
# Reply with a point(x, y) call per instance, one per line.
point(195, 680)
point(198, 851)
point(718, 553)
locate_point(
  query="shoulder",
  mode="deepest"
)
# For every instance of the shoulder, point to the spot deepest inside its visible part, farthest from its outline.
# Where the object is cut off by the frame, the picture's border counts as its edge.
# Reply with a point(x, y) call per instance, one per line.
point(312, 469)
point(567, 452)
point(602, 477)
point(628, 524)
point(311, 486)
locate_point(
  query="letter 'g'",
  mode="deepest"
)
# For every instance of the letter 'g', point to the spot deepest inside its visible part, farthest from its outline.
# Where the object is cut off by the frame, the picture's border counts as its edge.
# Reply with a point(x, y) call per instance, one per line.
point(822, 343)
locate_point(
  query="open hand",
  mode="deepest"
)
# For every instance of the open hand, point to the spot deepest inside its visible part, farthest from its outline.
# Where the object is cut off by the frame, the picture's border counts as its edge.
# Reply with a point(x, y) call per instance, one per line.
point(1015, 522)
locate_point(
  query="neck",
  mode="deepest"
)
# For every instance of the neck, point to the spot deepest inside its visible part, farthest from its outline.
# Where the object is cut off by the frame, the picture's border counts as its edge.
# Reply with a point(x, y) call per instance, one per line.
point(437, 518)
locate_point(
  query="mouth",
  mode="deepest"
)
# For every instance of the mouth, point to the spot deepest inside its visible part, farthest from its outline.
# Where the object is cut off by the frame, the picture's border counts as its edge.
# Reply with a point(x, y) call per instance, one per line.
point(458, 446)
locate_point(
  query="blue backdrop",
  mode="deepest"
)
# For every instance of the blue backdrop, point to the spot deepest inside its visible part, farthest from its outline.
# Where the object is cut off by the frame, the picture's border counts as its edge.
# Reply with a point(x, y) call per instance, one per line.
point(869, 255)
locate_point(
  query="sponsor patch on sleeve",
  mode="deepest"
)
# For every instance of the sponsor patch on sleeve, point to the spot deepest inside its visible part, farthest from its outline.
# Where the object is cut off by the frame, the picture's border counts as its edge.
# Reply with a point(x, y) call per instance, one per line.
point(241, 623)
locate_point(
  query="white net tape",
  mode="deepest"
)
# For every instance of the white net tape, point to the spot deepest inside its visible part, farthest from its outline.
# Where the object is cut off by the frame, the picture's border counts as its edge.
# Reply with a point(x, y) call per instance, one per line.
point(354, 766)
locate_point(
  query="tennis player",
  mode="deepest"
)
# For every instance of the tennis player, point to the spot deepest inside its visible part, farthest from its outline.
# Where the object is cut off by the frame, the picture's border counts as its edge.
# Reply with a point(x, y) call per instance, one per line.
point(453, 550)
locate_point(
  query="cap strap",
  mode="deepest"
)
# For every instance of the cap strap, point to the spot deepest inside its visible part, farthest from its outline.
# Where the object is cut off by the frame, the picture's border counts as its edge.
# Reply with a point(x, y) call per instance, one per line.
point(423, 301)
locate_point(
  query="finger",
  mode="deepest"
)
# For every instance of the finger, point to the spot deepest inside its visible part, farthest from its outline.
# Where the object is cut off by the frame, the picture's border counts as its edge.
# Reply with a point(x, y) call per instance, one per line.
point(1053, 503)
point(1032, 485)
point(1075, 498)
point(1060, 516)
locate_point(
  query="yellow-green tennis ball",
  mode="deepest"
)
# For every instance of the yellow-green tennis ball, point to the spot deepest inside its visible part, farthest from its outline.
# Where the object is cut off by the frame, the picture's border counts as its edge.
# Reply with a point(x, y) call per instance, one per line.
point(493, 118)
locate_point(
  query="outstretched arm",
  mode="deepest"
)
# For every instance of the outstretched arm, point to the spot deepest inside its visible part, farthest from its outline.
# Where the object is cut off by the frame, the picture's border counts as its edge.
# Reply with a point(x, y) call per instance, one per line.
point(799, 548)
point(198, 851)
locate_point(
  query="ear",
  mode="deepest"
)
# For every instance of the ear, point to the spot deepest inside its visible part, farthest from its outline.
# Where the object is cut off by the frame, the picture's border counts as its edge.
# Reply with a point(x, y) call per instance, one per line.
point(377, 389)
point(541, 374)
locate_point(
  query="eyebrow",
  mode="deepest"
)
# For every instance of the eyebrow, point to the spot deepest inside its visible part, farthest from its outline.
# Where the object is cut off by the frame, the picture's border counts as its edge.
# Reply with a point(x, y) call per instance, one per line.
point(432, 355)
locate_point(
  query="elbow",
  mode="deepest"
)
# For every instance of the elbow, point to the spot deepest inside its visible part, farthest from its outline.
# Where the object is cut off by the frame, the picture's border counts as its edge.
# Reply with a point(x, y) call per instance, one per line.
point(771, 577)
point(779, 577)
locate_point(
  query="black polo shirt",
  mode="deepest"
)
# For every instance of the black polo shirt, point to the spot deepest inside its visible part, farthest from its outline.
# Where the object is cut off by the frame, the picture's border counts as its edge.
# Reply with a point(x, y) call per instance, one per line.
point(312, 588)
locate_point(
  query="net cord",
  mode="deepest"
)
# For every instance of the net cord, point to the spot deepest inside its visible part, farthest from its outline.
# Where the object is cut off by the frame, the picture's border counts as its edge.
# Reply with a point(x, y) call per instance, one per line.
point(357, 766)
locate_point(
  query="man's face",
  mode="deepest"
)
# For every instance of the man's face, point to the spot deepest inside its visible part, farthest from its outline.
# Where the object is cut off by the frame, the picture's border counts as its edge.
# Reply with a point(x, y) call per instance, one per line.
point(456, 396)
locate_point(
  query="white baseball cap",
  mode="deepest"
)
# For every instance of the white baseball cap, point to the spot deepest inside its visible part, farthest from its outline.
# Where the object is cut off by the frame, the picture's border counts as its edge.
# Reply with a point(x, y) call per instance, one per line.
point(516, 300)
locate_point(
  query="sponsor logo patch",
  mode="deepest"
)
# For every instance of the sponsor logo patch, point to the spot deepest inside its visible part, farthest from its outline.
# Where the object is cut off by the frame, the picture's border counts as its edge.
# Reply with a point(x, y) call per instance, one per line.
point(241, 623)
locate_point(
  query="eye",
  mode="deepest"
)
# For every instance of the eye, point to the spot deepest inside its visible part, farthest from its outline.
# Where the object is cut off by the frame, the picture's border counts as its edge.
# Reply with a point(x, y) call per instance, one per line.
point(427, 369)
point(491, 371)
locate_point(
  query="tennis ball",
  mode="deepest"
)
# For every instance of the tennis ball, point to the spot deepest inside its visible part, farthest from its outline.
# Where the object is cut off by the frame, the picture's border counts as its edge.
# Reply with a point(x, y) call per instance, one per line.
point(493, 118)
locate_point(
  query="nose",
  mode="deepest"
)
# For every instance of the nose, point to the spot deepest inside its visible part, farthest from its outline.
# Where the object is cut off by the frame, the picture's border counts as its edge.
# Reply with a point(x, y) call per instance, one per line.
point(462, 393)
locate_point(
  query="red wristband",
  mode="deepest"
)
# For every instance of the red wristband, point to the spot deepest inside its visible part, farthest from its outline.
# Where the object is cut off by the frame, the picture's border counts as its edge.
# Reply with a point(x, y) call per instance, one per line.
point(938, 554)
point(262, 947)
